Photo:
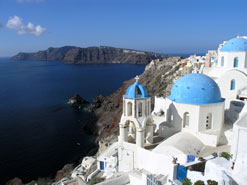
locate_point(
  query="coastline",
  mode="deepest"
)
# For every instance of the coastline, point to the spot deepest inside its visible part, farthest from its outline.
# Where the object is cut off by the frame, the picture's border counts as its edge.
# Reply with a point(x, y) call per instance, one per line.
point(54, 127)
point(107, 109)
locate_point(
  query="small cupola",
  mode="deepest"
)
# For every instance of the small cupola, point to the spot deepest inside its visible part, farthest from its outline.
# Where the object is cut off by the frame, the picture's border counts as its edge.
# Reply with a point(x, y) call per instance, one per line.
point(137, 102)
point(136, 91)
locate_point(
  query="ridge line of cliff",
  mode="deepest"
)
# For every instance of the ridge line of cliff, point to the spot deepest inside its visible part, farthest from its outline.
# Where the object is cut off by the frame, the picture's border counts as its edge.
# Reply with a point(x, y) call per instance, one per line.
point(92, 55)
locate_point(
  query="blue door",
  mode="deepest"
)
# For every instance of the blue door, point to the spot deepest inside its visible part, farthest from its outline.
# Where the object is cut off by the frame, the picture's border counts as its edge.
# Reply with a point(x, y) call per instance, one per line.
point(181, 173)
point(102, 165)
point(190, 158)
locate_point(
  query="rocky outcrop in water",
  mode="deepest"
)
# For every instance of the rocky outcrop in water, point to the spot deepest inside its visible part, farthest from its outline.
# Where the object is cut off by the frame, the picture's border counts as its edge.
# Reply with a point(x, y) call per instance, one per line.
point(14, 181)
point(77, 101)
point(158, 78)
point(91, 55)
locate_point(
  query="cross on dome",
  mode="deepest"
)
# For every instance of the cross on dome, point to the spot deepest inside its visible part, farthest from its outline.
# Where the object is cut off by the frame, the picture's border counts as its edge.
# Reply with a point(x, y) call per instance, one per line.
point(137, 78)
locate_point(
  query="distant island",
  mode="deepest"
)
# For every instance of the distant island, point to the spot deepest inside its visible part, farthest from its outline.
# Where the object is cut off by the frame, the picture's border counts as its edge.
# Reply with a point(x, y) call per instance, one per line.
point(92, 55)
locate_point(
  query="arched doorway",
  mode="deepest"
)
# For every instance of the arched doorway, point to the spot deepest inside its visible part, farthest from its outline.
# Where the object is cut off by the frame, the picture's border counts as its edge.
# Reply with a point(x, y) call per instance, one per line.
point(186, 120)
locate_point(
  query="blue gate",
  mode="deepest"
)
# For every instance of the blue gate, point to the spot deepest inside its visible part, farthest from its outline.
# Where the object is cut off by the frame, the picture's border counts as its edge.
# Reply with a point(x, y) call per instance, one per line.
point(181, 173)
point(190, 158)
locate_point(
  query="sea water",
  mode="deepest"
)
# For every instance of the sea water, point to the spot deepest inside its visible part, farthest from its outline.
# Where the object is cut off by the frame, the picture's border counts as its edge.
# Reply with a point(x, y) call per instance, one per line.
point(39, 132)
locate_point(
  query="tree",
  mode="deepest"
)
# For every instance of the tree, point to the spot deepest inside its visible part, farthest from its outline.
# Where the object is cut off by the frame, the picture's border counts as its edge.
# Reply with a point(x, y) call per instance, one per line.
point(212, 182)
point(199, 182)
point(225, 155)
point(187, 181)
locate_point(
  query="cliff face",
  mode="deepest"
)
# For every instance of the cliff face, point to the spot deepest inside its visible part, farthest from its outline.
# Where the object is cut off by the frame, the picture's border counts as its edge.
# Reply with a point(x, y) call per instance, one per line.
point(91, 55)
point(157, 78)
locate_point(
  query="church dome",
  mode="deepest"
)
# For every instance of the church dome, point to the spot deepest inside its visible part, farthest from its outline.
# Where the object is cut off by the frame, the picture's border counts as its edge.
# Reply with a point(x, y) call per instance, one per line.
point(136, 91)
point(195, 89)
point(235, 44)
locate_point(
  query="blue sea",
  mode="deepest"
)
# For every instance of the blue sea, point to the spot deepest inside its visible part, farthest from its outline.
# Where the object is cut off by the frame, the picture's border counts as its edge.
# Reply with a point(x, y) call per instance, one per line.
point(39, 132)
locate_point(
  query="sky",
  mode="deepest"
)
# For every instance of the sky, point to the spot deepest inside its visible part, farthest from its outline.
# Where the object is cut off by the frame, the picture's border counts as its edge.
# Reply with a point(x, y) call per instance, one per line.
point(166, 26)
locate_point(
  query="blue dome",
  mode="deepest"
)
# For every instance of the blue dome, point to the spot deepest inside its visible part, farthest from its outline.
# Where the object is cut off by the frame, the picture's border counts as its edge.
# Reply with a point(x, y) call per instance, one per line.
point(236, 44)
point(136, 91)
point(196, 89)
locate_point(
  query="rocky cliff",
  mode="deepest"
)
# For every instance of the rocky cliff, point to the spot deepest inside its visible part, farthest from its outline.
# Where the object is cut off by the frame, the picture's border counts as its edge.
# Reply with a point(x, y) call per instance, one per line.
point(157, 78)
point(91, 55)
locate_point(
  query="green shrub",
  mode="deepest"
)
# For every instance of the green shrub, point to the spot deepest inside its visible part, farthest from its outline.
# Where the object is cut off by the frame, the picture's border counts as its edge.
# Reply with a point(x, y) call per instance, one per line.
point(199, 182)
point(187, 181)
point(212, 182)
point(225, 155)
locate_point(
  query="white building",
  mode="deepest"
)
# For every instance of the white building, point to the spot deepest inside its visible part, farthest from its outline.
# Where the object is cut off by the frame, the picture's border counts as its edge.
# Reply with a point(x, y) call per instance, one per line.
point(191, 123)
point(230, 73)
point(195, 106)
point(238, 149)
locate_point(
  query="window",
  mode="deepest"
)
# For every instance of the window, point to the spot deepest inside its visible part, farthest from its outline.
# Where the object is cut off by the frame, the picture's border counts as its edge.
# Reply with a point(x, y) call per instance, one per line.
point(209, 121)
point(140, 109)
point(233, 84)
point(129, 108)
point(222, 61)
point(235, 62)
point(186, 121)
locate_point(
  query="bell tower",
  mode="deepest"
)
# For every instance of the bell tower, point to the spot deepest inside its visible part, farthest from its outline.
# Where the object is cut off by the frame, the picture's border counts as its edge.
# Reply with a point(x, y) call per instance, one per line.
point(136, 125)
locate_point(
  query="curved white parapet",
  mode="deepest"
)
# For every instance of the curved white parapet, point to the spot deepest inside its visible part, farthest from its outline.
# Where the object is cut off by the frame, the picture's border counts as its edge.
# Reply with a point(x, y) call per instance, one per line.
point(96, 172)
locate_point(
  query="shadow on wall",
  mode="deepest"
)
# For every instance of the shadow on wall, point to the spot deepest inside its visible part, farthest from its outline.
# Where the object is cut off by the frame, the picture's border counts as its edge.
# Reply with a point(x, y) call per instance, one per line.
point(174, 118)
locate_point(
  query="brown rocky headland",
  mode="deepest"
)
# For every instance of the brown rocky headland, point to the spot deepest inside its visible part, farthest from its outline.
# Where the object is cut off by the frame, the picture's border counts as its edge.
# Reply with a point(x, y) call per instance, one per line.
point(91, 55)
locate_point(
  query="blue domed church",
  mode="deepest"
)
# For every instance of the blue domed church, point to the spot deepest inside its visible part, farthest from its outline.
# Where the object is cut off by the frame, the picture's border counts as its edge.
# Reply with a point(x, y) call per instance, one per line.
point(230, 72)
point(195, 105)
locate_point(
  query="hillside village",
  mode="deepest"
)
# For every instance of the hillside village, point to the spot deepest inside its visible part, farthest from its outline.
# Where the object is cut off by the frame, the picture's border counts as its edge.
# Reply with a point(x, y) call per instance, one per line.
point(193, 135)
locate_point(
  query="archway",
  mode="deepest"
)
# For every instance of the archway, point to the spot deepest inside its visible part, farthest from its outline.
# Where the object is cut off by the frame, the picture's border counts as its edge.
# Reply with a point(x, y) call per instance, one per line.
point(129, 109)
point(131, 131)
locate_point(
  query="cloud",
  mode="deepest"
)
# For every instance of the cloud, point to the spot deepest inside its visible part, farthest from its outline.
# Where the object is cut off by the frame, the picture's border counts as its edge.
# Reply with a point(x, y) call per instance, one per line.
point(15, 23)
point(29, 1)
point(1, 25)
